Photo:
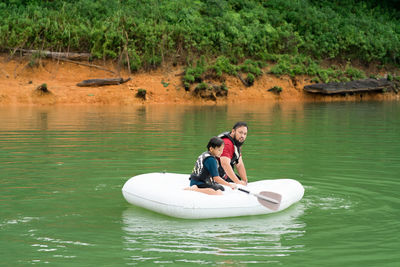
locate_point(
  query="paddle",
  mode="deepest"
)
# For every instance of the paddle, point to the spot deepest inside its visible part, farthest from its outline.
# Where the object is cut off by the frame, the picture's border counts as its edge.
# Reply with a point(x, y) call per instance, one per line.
point(270, 200)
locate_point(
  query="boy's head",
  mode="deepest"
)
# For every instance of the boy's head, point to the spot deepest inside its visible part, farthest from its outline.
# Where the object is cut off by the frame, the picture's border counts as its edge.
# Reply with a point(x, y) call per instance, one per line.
point(216, 146)
point(215, 142)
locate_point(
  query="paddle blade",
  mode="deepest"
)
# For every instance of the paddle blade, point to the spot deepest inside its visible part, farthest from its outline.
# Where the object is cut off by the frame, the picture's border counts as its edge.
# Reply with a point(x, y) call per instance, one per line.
point(275, 197)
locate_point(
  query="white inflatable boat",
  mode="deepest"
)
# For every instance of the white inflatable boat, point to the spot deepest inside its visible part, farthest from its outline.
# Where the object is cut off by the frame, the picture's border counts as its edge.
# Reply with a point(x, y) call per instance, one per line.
point(164, 193)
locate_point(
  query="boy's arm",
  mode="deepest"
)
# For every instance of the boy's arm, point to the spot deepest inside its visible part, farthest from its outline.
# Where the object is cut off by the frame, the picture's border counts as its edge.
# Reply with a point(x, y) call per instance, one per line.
point(222, 181)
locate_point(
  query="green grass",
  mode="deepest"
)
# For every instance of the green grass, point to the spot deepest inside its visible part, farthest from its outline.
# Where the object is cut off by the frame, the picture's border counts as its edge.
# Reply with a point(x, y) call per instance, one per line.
point(210, 37)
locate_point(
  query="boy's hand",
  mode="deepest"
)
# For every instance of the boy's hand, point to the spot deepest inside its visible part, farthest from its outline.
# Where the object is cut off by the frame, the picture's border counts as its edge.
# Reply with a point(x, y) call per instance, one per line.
point(242, 182)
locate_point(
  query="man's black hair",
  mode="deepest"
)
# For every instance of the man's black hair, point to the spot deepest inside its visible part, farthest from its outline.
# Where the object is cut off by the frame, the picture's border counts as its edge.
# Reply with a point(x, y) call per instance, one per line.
point(214, 142)
point(240, 124)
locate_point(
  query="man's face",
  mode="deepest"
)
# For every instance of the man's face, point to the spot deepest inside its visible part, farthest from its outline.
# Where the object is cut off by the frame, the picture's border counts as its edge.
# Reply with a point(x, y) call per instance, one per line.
point(240, 134)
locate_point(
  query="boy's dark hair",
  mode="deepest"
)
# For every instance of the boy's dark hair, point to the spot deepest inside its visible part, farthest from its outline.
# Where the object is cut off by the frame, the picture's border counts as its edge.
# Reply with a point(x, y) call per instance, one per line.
point(240, 124)
point(214, 142)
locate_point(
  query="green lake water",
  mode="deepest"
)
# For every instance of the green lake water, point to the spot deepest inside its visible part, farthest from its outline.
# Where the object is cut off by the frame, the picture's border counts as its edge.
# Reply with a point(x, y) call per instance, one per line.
point(62, 170)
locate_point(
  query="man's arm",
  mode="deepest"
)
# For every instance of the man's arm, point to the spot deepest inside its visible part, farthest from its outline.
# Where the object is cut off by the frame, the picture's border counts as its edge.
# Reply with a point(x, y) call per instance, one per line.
point(242, 170)
point(226, 164)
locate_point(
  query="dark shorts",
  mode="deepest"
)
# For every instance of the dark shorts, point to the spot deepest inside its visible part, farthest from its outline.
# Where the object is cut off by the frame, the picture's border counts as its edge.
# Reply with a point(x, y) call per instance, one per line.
point(205, 185)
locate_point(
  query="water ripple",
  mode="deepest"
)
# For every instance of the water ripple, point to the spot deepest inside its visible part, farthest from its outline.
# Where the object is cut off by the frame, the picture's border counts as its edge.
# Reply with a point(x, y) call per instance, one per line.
point(235, 237)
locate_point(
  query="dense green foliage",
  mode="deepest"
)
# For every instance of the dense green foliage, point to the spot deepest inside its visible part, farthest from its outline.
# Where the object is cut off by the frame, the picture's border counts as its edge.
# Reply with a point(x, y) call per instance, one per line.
point(149, 32)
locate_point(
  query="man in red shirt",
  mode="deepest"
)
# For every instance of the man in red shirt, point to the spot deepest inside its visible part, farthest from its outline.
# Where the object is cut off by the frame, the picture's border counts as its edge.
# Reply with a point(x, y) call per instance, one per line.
point(231, 156)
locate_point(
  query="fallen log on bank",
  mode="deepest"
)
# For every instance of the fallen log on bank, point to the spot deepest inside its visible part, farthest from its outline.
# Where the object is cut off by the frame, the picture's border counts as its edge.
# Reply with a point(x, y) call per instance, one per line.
point(366, 85)
point(102, 82)
point(56, 55)
point(64, 56)
point(84, 64)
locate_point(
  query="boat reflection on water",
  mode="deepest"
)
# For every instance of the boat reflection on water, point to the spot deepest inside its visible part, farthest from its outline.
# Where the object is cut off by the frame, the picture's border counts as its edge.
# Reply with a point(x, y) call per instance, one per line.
point(154, 238)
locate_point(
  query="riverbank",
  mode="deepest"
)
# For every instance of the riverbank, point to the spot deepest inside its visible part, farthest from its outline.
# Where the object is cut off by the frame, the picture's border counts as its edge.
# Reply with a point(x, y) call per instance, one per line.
point(19, 78)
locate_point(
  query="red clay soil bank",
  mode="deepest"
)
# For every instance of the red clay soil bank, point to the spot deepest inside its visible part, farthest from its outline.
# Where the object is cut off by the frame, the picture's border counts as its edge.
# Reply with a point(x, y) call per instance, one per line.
point(18, 81)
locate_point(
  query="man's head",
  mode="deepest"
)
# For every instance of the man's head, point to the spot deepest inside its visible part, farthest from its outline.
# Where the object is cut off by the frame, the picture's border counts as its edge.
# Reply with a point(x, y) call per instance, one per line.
point(239, 132)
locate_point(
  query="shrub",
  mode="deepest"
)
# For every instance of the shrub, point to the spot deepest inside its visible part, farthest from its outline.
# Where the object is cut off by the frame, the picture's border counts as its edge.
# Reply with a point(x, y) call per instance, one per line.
point(202, 86)
point(354, 73)
point(195, 73)
point(275, 89)
point(223, 65)
point(141, 93)
point(224, 87)
point(253, 67)
point(250, 79)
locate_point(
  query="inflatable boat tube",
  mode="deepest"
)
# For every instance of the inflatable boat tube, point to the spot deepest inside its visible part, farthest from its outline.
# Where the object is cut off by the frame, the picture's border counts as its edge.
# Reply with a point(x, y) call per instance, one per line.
point(164, 193)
